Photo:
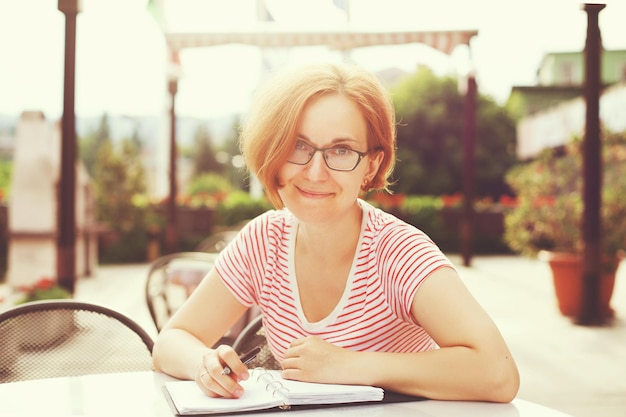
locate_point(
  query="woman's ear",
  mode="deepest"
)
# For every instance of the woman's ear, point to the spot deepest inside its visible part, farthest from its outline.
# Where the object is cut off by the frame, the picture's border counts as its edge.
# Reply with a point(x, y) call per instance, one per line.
point(374, 164)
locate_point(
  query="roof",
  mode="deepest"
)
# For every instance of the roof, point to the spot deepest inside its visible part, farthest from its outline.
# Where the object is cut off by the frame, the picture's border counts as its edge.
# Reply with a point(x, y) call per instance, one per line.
point(444, 41)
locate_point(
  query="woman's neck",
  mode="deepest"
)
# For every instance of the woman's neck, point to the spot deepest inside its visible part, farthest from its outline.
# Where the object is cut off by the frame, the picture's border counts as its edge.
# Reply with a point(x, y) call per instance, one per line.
point(333, 239)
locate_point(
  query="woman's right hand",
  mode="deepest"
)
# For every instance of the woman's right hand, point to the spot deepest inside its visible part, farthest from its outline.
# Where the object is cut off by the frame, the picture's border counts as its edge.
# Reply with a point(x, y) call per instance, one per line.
point(210, 375)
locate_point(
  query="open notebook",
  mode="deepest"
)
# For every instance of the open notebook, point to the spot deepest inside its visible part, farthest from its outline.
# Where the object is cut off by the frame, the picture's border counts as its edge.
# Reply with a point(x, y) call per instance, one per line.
point(265, 390)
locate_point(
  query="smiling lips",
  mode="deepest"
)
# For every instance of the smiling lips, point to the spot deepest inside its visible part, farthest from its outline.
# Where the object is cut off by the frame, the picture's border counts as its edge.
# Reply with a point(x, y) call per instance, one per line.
point(313, 194)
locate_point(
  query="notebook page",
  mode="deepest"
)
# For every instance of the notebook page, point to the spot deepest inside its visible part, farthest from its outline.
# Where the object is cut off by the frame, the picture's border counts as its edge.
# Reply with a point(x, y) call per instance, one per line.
point(306, 393)
point(189, 399)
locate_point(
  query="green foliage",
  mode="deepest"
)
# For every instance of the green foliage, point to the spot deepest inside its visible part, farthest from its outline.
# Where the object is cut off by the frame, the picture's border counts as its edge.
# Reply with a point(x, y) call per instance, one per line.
point(235, 170)
point(204, 160)
point(423, 213)
point(6, 167)
point(44, 289)
point(430, 113)
point(130, 246)
point(442, 223)
point(239, 206)
point(550, 205)
point(119, 179)
point(90, 145)
point(207, 190)
point(120, 191)
point(516, 106)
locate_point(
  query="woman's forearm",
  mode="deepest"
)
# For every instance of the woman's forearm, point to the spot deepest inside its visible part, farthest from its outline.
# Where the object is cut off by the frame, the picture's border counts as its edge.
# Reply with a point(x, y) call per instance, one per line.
point(178, 353)
point(452, 373)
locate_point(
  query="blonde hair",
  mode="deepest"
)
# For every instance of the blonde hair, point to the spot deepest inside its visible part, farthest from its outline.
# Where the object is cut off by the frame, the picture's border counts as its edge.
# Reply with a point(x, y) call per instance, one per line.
point(270, 129)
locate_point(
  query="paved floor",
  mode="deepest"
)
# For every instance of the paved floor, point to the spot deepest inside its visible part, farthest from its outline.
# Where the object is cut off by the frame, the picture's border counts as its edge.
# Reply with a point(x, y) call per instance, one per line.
point(575, 369)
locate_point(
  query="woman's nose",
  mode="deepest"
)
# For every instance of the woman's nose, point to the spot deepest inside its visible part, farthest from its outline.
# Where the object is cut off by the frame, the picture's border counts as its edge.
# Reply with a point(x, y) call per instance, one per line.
point(317, 169)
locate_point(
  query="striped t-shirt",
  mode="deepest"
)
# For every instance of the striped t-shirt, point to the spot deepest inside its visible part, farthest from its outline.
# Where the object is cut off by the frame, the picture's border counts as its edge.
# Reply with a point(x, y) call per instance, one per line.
point(374, 313)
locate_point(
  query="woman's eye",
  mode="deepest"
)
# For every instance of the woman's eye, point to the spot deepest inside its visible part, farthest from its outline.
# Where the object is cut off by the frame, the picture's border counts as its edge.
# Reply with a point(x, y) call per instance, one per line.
point(340, 151)
point(301, 146)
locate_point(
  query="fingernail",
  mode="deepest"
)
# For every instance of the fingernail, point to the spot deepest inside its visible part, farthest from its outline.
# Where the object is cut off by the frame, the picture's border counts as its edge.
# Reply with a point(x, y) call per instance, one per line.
point(245, 375)
point(238, 393)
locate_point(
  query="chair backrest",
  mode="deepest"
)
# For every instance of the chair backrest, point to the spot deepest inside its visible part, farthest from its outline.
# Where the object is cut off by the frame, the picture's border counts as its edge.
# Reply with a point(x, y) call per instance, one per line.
point(54, 338)
point(171, 279)
point(217, 241)
point(254, 335)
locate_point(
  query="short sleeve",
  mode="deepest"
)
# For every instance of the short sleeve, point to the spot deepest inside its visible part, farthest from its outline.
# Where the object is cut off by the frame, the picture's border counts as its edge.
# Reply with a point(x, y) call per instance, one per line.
point(407, 258)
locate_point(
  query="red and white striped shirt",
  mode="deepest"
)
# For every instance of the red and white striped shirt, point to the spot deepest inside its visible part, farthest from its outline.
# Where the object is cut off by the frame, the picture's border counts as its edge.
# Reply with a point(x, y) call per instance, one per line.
point(374, 313)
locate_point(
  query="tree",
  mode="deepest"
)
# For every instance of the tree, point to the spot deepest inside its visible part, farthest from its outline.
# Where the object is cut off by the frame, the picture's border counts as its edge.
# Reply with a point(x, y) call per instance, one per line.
point(119, 178)
point(90, 145)
point(122, 206)
point(430, 138)
point(204, 160)
point(235, 169)
point(6, 167)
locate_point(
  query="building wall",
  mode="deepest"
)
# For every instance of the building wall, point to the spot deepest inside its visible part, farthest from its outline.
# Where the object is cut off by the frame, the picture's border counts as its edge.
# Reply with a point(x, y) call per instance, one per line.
point(33, 209)
point(558, 125)
point(567, 68)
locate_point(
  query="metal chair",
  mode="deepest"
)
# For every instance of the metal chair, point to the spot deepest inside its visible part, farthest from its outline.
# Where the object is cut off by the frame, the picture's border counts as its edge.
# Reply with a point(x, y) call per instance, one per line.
point(217, 241)
point(254, 335)
point(54, 338)
point(171, 279)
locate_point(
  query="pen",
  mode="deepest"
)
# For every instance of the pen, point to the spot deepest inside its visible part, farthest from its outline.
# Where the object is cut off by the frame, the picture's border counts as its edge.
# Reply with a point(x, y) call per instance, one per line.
point(246, 358)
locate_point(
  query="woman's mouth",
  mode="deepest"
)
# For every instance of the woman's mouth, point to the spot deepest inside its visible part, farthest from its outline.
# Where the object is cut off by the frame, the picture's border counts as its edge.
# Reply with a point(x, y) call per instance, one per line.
point(313, 193)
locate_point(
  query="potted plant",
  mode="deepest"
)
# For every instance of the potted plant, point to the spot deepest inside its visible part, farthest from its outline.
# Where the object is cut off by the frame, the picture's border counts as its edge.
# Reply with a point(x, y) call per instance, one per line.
point(547, 219)
point(45, 288)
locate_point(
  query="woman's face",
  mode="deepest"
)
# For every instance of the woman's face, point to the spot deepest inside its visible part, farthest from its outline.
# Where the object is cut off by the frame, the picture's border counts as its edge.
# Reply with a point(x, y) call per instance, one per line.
point(313, 192)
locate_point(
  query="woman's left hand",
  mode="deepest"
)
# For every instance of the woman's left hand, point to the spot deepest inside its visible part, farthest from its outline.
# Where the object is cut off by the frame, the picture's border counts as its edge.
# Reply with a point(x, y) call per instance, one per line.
point(312, 359)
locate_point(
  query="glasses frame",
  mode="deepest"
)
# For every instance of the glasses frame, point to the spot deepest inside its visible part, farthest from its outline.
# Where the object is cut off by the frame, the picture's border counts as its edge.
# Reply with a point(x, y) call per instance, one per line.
point(323, 151)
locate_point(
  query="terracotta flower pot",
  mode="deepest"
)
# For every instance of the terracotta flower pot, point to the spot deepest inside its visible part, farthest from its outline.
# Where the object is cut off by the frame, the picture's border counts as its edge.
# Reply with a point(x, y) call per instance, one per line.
point(567, 274)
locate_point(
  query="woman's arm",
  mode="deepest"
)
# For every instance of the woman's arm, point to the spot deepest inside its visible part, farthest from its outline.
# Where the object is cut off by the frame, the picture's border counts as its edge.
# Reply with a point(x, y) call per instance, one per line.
point(183, 348)
point(473, 362)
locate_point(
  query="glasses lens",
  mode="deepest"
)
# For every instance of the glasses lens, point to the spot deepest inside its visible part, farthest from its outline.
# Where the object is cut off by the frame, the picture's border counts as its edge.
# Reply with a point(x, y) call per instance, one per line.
point(338, 159)
point(302, 153)
point(342, 159)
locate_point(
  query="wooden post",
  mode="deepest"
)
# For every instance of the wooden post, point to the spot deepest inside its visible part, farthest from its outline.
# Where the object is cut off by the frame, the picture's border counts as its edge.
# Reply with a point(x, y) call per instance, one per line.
point(469, 139)
point(592, 174)
point(66, 207)
point(171, 234)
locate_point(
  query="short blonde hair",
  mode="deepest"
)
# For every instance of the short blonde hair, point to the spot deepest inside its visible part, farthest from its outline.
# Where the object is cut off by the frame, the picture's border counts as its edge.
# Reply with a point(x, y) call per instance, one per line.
point(270, 129)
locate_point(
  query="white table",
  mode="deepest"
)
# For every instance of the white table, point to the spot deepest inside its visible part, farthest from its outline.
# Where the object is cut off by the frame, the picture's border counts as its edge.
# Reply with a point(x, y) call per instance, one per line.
point(139, 394)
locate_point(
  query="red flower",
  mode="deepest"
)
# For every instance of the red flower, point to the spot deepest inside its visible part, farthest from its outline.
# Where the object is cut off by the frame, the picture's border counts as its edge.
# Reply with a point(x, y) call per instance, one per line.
point(544, 201)
point(44, 283)
point(452, 200)
point(508, 201)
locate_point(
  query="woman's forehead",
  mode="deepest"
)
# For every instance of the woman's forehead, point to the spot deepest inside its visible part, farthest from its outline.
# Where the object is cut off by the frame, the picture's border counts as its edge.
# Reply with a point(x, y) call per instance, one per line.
point(332, 119)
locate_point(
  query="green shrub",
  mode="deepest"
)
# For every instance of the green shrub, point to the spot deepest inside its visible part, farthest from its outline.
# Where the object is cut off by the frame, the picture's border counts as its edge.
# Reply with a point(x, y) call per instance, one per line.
point(550, 206)
point(423, 213)
point(240, 206)
point(130, 247)
point(207, 190)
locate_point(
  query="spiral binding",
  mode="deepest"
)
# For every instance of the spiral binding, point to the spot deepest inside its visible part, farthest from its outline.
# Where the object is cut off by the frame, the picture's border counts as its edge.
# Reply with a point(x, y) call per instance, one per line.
point(275, 387)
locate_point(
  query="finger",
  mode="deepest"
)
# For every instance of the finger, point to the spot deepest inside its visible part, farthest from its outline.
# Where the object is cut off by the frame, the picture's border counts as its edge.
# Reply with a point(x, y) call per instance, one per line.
point(296, 349)
point(214, 384)
point(210, 387)
point(231, 364)
point(296, 342)
point(289, 363)
point(210, 376)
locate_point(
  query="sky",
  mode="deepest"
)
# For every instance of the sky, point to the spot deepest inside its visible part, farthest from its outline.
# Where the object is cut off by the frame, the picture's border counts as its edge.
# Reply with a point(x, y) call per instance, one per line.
point(120, 58)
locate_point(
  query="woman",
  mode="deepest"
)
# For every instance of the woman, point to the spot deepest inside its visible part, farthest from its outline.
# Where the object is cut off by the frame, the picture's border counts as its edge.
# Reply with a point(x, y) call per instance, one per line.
point(349, 294)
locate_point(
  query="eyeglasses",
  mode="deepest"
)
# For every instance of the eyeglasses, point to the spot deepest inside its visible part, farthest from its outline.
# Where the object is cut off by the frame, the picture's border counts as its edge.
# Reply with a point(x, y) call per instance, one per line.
point(337, 158)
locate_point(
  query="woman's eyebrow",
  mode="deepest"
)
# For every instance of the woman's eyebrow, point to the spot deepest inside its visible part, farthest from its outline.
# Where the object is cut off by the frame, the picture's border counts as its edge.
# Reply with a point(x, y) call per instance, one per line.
point(334, 141)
